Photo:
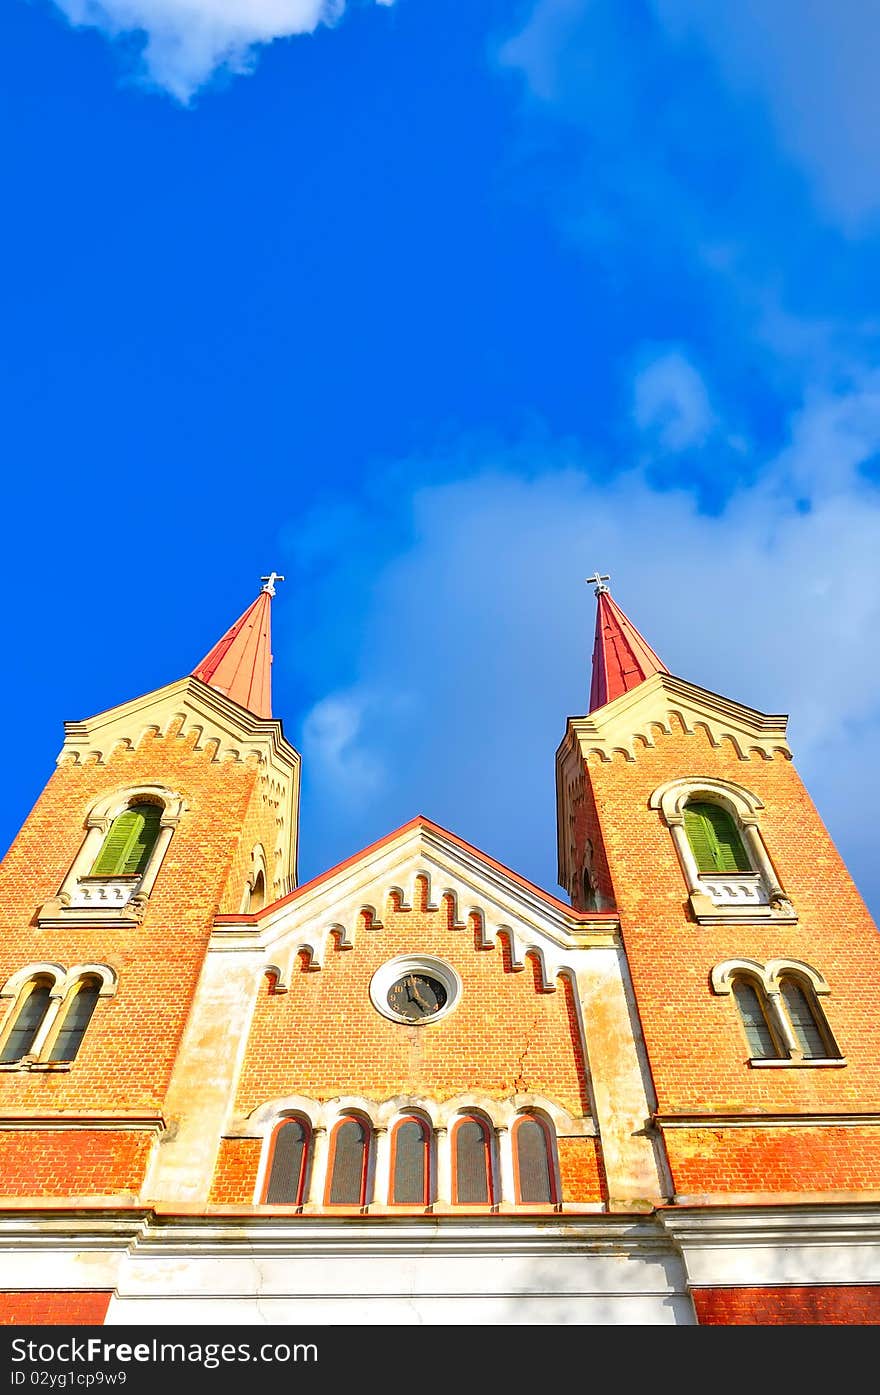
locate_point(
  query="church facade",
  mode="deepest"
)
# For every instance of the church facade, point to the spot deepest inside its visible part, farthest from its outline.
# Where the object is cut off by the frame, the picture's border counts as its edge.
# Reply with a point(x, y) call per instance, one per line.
point(418, 1088)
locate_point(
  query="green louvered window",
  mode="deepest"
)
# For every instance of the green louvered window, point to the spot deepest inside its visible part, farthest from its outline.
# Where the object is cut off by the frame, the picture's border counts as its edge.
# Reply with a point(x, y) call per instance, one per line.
point(127, 847)
point(714, 839)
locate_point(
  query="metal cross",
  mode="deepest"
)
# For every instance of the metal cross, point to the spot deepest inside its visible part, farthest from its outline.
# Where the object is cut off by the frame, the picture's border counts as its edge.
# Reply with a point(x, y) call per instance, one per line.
point(270, 582)
point(599, 583)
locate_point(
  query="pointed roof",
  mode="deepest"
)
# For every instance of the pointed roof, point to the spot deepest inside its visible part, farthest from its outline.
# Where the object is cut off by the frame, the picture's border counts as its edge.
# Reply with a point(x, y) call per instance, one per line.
point(239, 665)
point(622, 659)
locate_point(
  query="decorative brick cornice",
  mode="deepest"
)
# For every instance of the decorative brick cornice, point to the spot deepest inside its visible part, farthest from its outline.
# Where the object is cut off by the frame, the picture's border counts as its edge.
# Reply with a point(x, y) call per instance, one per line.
point(637, 716)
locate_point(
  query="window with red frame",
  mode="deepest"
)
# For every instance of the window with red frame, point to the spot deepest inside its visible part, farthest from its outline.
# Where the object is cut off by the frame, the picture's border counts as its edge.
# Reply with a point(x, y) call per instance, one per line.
point(349, 1163)
point(290, 1156)
point(533, 1156)
point(411, 1163)
point(472, 1163)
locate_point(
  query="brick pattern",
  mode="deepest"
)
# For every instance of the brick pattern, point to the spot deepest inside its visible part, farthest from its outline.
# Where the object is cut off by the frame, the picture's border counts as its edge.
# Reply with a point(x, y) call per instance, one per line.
point(844, 1305)
point(696, 1047)
point(73, 1162)
point(706, 1162)
point(85, 1308)
point(235, 1177)
point(324, 1038)
point(129, 1049)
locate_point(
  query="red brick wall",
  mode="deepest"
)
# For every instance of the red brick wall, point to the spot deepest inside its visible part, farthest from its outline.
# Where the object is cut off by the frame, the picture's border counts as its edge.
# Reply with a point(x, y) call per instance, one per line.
point(73, 1162)
point(849, 1305)
point(324, 1037)
point(709, 1160)
point(697, 1050)
point(23, 1309)
point(128, 1051)
point(235, 1178)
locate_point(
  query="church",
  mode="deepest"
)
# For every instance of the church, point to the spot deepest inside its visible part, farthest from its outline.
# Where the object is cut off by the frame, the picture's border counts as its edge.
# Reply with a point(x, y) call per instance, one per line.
point(418, 1088)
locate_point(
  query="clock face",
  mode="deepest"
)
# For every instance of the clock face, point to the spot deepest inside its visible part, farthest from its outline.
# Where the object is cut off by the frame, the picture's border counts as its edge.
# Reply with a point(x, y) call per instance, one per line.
point(416, 996)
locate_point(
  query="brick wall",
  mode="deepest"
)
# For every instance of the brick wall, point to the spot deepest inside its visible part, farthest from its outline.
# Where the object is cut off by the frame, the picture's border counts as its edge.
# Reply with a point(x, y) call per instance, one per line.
point(23, 1309)
point(70, 1162)
point(841, 1305)
point(697, 1050)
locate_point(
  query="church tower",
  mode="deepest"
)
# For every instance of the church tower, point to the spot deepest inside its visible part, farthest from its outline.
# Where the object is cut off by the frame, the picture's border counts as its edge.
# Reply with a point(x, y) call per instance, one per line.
point(754, 961)
point(161, 813)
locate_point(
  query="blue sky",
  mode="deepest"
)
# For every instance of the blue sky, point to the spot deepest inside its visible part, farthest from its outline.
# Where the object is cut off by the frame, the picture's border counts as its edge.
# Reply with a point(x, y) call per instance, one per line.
point(437, 307)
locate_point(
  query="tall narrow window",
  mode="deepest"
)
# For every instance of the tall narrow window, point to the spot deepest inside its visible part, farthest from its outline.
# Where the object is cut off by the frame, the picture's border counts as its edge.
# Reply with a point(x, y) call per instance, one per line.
point(473, 1163)
point(411, 1176)
point(806, 1029)
point(534, 1171)
point(76, 1019)
point(349, 1164)
point(129, 842)
point(28, 1022)
point(762, 1043)
point(714, 838)
point(287, 1176)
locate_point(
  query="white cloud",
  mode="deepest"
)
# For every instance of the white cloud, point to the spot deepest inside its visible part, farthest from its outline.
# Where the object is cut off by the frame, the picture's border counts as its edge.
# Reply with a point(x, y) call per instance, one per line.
point(814, 65)
point(670, 402)
point(330, 735)
point(483, 620)
point(184, 42)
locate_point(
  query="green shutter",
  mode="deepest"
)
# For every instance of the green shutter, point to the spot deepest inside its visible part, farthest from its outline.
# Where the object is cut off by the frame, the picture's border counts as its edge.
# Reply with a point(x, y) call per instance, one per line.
point(128, 845)
point(714, 839)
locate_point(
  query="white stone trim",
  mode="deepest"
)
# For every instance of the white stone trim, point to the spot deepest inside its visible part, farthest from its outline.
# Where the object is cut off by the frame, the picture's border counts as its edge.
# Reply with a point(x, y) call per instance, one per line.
point(82, 895)
point(499, 1116)
point(767, 980)
point(716, 897)
point(65, 983)
point(428, 964)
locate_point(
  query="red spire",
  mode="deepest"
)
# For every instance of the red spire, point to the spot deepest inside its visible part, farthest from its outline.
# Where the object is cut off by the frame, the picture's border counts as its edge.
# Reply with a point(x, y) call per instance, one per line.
point(621, 658)
point(239, 665)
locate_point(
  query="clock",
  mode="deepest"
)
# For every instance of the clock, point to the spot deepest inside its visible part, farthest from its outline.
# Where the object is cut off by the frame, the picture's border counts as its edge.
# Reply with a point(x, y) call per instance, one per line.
point(415, 989)
point(416, 996)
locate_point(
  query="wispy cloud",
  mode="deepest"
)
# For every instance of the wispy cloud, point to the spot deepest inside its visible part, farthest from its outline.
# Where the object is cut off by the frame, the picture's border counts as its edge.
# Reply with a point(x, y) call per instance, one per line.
point(482, 618)
point(670, 402)
point(183, 43)
point(814, 66)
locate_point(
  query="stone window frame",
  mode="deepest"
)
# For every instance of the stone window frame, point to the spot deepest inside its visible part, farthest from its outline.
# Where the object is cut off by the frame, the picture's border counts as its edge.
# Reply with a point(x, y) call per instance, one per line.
point(500, 1116)
point(259, 870)
point(767, 981)
point(99, 818)
point(476, 1116)
point(65, 984)
point(670, 799)
point(414, 1116)
point(539, 1117)
point(292, 1116)
point(368, 1173)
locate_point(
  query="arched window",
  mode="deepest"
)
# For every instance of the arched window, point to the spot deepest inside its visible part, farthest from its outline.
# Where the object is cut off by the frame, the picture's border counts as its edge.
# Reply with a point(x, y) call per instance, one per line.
point(411, 1163)
point(804, 1019)
point(129, 842)
point(290, 1158)
point(28, 1020)
point(778, 1005)
point(472, 1163)
point(349, 1163)
point(534, 1165)
point(257, 898)
point(714, 838)
point(76, 1019)
point(752, 1006)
